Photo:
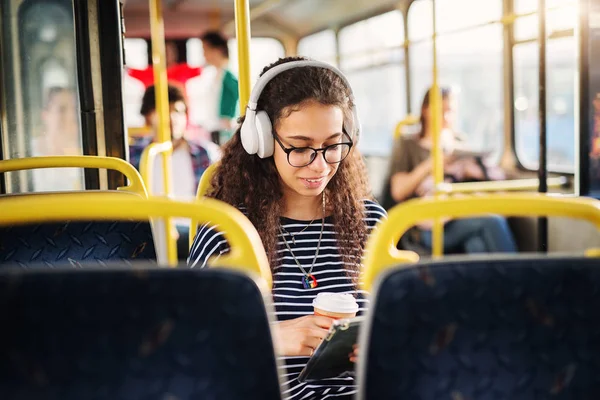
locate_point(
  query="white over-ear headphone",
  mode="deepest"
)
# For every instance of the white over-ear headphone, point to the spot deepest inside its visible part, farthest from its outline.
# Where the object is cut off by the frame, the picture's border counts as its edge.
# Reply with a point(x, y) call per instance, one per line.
point(257, 129)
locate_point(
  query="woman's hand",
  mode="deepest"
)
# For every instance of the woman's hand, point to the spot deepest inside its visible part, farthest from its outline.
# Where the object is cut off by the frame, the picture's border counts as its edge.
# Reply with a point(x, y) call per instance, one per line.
point(300, 336)
point(354, 355)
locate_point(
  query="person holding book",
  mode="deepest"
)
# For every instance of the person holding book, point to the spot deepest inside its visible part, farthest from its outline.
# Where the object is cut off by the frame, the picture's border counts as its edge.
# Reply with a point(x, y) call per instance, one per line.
point(410, 176)
point(293, 169)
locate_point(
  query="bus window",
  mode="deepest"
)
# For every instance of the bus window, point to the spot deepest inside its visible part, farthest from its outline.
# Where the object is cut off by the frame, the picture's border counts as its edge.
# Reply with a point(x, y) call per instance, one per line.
point(136, 56)
point(372, 57)
point(528, 6)
point(560, 92)
point(560, 86)
point(470, 61)
point(42, 107)
point(451, 14)
point(319, 46)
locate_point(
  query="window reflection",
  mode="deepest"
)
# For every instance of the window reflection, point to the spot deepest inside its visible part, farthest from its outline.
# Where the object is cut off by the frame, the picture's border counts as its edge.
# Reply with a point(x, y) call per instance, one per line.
point(42, 104)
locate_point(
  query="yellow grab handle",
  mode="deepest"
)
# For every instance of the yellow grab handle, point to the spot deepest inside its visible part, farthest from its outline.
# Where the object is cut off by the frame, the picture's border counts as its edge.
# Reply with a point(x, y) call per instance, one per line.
point(246, 249)
point(147, 161)
point(381, 252)
point(147, 171)
point(409, 120)
point(135, 180)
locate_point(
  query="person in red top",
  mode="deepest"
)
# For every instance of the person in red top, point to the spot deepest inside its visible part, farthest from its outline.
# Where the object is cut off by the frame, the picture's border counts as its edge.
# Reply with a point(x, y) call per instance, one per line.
point(177, 73)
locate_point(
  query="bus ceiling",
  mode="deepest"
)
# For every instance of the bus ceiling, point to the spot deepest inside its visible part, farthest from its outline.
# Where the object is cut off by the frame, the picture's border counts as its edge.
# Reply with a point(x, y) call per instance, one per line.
point(282, 19)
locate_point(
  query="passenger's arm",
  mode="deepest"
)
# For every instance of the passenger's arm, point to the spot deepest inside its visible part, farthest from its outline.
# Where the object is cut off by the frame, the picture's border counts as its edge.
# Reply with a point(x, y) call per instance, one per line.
point(209, 242)
point(404, 184)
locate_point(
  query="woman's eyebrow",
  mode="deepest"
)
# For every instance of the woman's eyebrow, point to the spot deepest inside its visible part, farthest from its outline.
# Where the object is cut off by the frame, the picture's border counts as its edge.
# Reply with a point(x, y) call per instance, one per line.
point(308, 139)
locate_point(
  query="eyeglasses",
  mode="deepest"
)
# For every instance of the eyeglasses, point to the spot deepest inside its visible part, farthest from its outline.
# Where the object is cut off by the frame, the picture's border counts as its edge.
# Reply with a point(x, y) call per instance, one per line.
point(302, 156)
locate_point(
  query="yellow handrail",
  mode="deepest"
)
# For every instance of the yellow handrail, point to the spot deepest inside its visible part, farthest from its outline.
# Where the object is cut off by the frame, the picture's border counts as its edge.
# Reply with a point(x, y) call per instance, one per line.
point(136, 183)
point(381, 252)
point(203, 187)
point(435, 107)
point(242, 33)
point(159, 65)
point(147, 171)
point(500, 186)
point(409, 120)
point(247, 252)
point(147, 162)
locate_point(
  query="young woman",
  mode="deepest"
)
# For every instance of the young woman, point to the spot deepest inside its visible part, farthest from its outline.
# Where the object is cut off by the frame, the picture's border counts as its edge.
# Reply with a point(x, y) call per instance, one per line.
point(410, 176)
point(294, 170)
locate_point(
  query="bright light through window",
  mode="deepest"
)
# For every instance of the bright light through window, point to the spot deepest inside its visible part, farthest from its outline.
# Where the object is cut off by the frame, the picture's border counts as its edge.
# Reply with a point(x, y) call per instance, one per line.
point(319, 46)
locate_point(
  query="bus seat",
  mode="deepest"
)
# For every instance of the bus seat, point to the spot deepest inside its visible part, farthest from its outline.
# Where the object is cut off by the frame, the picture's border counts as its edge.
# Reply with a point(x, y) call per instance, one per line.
point(514, 328)
point(75, 243)
point(134, 334)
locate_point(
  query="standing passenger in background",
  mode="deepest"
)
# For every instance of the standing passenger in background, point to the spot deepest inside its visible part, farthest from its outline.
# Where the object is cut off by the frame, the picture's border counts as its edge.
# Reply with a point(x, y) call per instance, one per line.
point(411, 176)
point(294, 170)
point(224, 89)
point(190, 158)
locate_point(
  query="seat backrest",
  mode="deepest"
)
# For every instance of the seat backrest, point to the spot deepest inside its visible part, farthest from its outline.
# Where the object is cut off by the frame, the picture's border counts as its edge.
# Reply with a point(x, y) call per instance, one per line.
point(76, 243)
point(519, 328)
point(134, 334)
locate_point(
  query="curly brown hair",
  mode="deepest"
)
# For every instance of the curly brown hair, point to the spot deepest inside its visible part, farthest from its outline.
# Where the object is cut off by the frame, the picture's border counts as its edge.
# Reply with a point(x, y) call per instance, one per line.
point(246, 180)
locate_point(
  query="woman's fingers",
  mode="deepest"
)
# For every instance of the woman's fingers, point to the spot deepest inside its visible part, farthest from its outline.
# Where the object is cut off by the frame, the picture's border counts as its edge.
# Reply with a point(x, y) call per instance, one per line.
point(322, 322)
point(354, 355)
point(312, 342)
point(317, 333)
point(307, 351)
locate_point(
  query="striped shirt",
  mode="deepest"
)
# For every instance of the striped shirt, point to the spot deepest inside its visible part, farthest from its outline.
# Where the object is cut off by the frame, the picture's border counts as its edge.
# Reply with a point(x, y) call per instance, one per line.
point(290, 299)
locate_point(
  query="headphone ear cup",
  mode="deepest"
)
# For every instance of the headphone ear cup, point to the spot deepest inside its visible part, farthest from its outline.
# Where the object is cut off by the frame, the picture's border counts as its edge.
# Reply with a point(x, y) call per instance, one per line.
point(264, 130)
point(248, 133)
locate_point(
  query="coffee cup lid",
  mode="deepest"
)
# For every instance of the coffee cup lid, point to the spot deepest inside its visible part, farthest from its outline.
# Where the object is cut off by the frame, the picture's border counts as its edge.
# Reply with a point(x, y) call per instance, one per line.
point(336, 302)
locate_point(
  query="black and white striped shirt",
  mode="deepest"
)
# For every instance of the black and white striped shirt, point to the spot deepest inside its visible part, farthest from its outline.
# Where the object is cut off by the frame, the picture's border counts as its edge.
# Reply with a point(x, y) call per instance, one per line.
point(290, 299)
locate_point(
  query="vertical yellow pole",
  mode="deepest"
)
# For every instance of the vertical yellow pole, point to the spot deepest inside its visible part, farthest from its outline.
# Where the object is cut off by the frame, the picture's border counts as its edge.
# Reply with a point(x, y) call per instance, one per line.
point(159, 65)
point(437, 153)
point(215, 16)
point(242, 32)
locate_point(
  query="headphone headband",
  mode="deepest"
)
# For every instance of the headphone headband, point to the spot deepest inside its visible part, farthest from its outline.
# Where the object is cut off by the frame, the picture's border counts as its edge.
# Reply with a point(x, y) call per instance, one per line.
point(273, 72)
point(257, 129)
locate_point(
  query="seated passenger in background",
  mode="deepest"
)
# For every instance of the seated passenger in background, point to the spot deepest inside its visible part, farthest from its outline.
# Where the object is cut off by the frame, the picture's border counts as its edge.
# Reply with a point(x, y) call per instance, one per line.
point(307, 196)
point(411, 176)
point(190, 158)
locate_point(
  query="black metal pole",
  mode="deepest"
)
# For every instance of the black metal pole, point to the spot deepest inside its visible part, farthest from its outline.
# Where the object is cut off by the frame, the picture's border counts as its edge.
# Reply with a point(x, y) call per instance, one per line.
point(543, 167)
point(86, 90)
point(110, 28)
point(584, 98)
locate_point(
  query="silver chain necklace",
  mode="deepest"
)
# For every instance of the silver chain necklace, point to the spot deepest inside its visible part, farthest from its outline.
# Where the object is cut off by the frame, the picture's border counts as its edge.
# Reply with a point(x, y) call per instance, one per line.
point(308, 280)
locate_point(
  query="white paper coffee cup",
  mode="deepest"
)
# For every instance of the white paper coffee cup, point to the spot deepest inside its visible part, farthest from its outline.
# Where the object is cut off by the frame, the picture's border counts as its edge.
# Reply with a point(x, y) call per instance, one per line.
point(335, 305)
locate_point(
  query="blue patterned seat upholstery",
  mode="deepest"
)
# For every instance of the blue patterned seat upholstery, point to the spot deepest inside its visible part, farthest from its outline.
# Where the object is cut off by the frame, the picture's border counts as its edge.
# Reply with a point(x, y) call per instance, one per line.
point(146, 334)
point(520, 328)
point(76, 243)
